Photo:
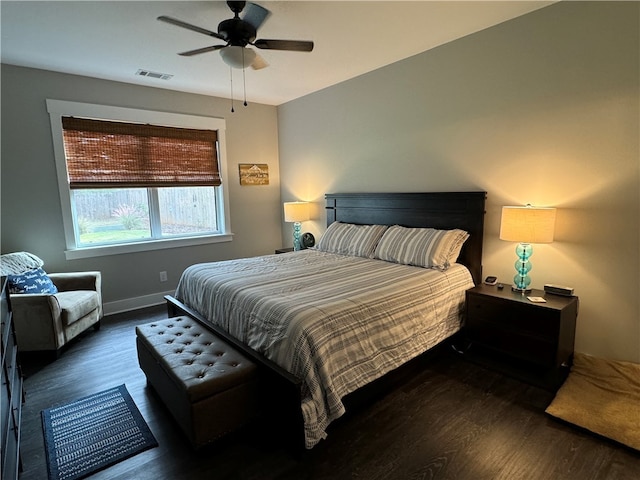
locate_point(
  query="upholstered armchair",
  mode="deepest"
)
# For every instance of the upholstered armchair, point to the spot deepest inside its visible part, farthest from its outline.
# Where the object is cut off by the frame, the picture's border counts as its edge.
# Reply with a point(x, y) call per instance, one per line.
point(48, 321)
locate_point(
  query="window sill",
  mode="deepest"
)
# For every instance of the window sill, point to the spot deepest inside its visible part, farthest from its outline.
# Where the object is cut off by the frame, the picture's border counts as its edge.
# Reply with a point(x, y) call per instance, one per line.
point(103, 250)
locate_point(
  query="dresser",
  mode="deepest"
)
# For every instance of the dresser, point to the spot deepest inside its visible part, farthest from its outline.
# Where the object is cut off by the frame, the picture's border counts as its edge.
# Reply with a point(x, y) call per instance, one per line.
point(11, 395)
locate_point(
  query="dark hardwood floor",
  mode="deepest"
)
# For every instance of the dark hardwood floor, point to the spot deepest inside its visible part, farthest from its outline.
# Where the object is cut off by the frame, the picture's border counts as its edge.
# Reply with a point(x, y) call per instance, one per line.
point(450, 420)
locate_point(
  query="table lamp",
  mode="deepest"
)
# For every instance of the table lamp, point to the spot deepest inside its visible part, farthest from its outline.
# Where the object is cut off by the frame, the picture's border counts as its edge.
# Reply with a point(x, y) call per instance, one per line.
point(526, 225)
point(296, 212)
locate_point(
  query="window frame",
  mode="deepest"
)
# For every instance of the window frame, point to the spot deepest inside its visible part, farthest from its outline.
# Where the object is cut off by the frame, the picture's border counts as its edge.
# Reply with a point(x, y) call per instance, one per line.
point(59, 108)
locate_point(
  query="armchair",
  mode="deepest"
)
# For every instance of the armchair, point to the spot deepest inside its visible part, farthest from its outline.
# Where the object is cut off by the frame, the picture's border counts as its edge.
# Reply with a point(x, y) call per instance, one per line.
point(48, 321)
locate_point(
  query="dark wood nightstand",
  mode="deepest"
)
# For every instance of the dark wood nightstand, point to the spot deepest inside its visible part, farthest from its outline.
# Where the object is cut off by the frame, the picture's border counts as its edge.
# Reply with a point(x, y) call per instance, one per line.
point(284, 250)
point(532, 341)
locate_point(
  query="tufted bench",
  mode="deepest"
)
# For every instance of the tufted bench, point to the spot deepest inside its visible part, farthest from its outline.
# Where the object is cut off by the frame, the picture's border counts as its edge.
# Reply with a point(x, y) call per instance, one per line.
point(209, 388)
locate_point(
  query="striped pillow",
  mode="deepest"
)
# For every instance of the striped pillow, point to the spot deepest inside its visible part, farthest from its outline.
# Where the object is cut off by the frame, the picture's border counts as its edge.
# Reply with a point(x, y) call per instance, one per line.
point(351, 239)
point(421, 247)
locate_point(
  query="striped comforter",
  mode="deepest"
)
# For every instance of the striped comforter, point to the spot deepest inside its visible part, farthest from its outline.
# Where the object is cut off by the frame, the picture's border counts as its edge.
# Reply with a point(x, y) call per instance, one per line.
point(337, 322)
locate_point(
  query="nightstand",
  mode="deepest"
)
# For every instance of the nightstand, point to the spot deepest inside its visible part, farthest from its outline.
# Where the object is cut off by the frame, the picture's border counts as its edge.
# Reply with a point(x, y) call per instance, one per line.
point(532, 341)
point(284, 250)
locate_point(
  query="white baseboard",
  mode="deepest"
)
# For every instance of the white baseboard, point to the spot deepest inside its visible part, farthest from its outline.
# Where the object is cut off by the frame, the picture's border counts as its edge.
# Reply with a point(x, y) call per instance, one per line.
point(128, 304)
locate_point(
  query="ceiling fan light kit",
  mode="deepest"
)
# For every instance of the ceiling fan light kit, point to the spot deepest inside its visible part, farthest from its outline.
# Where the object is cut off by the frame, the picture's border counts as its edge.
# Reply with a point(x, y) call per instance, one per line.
point(238, 33)
point(238, 57)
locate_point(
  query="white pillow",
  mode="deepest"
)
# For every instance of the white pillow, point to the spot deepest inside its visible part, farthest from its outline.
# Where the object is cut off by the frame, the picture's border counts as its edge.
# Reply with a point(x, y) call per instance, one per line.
point(351, 239)
point(421, 247)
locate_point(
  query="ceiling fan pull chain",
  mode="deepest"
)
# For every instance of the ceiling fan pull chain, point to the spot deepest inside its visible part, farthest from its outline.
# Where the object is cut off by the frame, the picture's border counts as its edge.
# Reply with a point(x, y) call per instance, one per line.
point(244, 82)
point(231, 76)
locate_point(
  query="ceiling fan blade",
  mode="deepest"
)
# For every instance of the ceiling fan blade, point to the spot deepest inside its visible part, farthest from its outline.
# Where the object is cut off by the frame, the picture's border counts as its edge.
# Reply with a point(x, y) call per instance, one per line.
point(295, 45)
point(259, 63)
point(255, 15)
point(198, 51)
point(180, 23)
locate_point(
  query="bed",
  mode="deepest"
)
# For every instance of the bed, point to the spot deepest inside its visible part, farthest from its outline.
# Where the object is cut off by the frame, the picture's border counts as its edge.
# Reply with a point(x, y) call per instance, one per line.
point(327, 321)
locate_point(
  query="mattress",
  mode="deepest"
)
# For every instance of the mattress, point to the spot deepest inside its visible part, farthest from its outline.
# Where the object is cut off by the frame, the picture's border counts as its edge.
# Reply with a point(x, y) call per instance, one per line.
point(336, 322)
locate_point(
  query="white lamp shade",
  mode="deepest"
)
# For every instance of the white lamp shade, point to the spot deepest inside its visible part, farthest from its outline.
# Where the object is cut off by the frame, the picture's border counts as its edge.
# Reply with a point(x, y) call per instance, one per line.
point(237, 57)
point(528, 224)
point(296, 211)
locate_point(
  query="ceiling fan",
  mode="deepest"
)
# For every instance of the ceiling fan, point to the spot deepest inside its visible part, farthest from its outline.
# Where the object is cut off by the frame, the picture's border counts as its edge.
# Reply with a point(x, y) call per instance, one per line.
point(238, 33)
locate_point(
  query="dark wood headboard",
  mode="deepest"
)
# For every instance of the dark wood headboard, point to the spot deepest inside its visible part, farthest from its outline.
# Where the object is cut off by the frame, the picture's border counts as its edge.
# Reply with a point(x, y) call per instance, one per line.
point(442, 210)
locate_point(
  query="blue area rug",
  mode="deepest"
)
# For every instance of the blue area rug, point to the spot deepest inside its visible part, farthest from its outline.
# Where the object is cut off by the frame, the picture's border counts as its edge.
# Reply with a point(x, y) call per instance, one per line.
point(93, 433)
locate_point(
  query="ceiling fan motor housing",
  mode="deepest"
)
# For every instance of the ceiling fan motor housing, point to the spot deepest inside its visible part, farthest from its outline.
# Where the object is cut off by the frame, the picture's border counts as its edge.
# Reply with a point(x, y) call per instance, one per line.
point(237, 32)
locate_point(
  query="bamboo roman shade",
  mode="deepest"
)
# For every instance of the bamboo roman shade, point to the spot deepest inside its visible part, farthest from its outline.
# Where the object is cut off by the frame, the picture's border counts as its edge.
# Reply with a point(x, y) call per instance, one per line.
point(106, 154)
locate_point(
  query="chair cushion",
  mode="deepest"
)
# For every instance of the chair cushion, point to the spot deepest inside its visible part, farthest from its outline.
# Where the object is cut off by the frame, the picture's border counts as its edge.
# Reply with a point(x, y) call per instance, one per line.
point(76, 304)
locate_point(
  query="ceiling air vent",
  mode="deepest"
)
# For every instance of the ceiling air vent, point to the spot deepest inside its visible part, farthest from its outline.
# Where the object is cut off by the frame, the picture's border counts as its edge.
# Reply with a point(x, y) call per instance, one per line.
point(147, 73)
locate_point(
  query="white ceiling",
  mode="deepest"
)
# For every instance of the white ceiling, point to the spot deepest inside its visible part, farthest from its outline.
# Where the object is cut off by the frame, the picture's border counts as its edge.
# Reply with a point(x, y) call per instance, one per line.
point(113, 40)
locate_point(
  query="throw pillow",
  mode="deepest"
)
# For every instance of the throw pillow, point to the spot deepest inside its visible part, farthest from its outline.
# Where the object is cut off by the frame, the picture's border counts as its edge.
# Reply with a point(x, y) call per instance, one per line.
point(33, 281)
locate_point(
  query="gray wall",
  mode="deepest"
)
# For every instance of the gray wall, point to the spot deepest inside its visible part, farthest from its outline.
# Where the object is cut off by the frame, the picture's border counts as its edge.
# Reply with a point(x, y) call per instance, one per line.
point(542, 109)
point(31, 213)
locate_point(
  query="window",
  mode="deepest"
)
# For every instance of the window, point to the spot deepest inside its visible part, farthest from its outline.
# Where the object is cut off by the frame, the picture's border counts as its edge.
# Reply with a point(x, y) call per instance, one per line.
point(133, 180)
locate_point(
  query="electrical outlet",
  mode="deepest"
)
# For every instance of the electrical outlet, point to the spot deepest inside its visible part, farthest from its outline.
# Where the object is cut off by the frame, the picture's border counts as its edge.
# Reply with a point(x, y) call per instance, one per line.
point(163, 276)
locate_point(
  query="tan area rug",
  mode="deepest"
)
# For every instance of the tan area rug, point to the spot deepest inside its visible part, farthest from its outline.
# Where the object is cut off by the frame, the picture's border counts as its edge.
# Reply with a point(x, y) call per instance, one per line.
point(602, 396)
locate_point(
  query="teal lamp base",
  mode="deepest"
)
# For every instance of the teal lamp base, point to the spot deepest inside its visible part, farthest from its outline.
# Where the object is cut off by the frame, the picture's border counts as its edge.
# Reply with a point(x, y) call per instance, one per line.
point(521, 279)
point(297, 241)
